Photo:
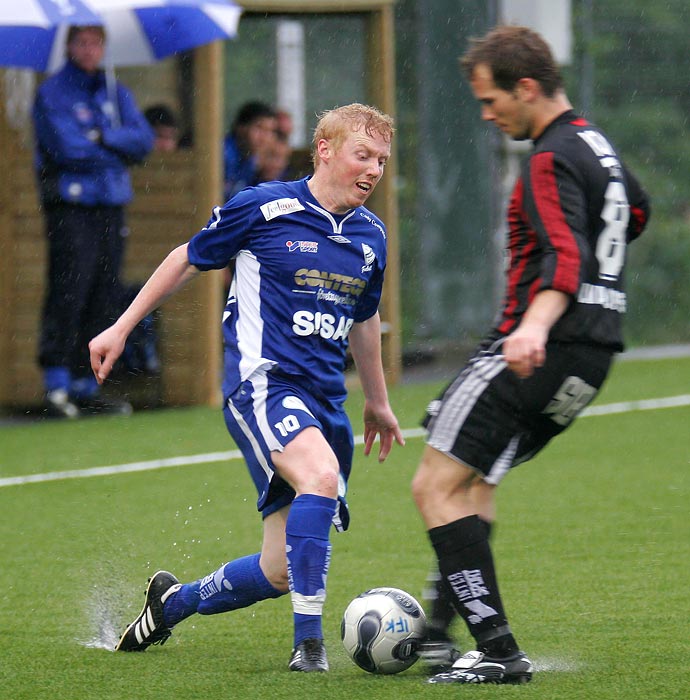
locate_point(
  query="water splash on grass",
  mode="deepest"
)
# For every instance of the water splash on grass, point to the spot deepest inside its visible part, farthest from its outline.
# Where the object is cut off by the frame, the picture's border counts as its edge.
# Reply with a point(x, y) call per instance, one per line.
point(104, 612)
point(556, 664)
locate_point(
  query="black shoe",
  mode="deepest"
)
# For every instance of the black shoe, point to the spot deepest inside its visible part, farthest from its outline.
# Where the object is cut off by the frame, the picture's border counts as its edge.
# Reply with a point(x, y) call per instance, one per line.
point(149, 627)
point(59, 405)
point(98, 406)
point(476, 667)
point(309, 656)
point(438, 654)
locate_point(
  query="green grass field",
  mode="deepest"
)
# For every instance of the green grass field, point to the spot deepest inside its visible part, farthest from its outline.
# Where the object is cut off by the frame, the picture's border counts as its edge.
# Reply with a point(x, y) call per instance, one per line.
point(592, 547)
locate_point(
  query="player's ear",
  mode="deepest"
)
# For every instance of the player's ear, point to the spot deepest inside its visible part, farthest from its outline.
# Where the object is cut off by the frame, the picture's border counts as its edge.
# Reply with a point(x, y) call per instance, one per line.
point(324, 149)
point(528, 89)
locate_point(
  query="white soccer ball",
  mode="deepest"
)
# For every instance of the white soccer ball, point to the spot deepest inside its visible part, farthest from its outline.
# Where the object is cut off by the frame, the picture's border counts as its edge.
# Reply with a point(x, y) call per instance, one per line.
point(381, 630)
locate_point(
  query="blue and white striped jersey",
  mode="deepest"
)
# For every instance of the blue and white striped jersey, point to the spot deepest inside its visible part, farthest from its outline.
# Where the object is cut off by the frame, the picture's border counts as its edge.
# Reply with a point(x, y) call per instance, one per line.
point(302, 277)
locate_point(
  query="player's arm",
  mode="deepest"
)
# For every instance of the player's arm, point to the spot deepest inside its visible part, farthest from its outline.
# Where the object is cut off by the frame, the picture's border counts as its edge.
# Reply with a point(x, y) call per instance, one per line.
point(379, 419)
point(557, 208)
point(525, 347)
point(172, 274)
point(640, 209)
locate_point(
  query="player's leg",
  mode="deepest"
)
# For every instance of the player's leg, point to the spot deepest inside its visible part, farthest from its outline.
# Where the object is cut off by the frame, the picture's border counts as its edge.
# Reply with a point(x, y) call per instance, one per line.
point(472, 423)
point(309, 465)
point(444, 491)
point(439, 650)
point(237, 584)
point(281, 434)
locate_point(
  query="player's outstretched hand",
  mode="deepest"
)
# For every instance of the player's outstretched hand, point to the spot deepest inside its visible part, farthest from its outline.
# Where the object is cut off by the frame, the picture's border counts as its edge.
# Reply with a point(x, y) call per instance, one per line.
point(383, 423)
point(104, 351)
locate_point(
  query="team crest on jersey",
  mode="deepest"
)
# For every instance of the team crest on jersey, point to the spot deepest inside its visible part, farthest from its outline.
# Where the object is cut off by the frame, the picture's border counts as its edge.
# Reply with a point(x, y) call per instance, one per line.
point(280, 207)
point(369, 258)
point(302, 246)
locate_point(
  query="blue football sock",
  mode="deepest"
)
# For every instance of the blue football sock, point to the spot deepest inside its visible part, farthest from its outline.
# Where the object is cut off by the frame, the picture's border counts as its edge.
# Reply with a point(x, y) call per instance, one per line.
point(308, 556)
point(235, 585)
point(57, 378)
point(84, 387)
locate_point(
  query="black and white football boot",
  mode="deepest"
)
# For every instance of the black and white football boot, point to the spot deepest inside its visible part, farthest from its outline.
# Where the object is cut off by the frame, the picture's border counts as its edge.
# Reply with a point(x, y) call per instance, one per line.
point(149, 627)
point(477, 667)
point(438, 654)
point(309, 656)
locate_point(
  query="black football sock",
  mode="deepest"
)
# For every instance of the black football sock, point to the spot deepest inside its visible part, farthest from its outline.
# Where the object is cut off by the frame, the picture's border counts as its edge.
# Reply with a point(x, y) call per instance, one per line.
point(440, 600)
point(467, 568)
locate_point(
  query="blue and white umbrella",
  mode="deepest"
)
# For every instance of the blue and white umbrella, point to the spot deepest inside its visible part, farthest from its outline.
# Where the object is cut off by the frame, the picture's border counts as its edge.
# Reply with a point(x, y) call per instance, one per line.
point(30, 28)
point(33, 32)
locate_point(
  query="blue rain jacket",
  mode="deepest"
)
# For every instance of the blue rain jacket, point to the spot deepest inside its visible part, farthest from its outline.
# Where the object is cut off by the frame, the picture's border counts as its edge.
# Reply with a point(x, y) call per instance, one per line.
point(82, 155)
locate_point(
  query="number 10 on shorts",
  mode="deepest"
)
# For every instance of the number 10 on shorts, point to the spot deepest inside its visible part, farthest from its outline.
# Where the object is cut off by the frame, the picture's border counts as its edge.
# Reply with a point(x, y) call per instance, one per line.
point(288, 425)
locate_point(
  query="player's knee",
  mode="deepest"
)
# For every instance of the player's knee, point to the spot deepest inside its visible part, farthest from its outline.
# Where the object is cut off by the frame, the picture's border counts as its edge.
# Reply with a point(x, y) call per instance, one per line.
point(276, 573)
point(321, 480)
point(422, 491)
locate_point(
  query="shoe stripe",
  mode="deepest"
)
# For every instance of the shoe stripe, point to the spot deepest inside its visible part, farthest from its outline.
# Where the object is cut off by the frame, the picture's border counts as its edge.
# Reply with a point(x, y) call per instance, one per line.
point(149, 621)
point(144, 627)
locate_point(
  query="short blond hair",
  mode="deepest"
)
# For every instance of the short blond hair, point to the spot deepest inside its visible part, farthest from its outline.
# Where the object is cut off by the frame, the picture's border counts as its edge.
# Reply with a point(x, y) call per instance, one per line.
point(335, 125)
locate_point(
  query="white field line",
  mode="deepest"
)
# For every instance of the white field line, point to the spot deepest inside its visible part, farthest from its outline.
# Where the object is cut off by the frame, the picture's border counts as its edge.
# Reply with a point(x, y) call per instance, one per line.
point(605, 409)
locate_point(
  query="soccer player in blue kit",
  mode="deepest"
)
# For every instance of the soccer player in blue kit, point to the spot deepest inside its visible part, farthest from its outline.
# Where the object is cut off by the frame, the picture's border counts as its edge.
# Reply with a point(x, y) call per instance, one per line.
point(309, 261)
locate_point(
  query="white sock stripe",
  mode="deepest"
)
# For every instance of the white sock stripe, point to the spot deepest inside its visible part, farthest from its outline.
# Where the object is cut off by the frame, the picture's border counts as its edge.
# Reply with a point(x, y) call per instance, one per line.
point(307, 604)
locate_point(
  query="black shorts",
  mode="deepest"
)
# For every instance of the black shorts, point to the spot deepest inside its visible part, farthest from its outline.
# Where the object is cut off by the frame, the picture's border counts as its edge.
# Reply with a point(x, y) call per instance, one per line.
point(491, 420)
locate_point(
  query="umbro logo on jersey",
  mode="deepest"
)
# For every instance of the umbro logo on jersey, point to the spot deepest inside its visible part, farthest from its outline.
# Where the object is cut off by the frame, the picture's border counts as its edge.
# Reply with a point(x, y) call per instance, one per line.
point(280, 207)
point(340, 239)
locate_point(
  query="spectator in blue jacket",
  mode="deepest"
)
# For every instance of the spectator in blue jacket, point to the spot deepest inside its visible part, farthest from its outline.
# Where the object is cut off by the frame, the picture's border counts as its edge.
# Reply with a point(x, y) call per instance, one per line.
point(86, 139)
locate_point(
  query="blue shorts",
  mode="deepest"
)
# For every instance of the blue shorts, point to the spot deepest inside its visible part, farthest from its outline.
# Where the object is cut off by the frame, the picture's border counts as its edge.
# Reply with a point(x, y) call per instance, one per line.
point(265, 413)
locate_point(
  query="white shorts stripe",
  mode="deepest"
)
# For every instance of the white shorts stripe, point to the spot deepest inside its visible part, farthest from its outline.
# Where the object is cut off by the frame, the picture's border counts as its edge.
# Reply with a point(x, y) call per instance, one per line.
point(503, 463)
point(256, 448)
point(260, 383)
point(460, 399)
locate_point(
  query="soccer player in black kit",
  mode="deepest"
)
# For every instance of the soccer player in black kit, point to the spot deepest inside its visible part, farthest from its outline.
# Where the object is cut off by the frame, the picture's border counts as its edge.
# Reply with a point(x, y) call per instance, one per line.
point(574, 208)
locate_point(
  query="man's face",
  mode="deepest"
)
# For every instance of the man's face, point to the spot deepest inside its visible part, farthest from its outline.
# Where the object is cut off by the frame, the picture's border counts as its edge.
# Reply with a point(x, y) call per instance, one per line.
point(507, 110)
point(260, 133)
point(86, 49)
point(356, 167)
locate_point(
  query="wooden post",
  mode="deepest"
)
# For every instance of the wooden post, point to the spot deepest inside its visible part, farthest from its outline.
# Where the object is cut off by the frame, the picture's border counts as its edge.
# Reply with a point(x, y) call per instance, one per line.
point(193, 317)
point(381, 87)
point(208, 143)
point(5, 248)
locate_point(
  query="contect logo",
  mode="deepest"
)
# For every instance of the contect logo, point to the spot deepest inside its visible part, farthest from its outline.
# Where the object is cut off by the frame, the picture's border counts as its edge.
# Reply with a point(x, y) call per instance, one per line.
point(321, 279)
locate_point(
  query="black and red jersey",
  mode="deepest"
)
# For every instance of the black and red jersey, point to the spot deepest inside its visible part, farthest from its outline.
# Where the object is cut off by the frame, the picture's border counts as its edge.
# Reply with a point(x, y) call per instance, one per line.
point(573, 210)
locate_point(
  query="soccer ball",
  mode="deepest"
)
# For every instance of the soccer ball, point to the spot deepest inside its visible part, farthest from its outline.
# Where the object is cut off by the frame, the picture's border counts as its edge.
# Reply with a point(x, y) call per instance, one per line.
point(381, 630)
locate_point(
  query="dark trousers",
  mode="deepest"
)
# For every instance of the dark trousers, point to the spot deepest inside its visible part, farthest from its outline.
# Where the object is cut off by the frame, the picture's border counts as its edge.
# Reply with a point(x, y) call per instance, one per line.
point(85, 249)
